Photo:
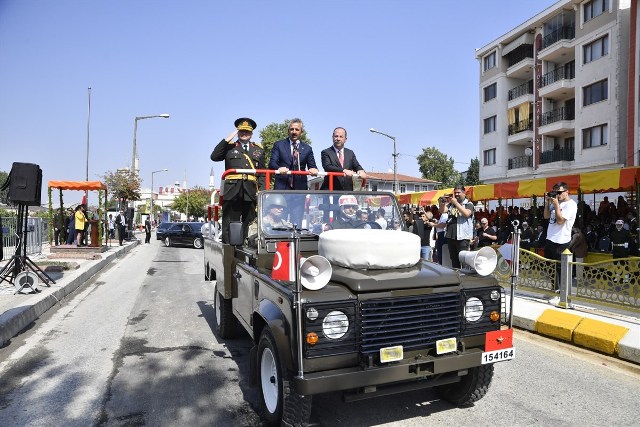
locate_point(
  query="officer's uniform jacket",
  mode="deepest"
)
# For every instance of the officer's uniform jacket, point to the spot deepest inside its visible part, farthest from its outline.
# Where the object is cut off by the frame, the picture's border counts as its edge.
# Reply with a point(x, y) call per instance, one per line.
point(240, 186)
point(620, 241)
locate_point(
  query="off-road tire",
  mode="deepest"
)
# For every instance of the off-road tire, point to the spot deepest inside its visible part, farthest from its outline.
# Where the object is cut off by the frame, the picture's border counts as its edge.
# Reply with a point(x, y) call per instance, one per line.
point(197, 243)
point(226, 323)
point(167, 241)
point(471, 388)
point(278, 404)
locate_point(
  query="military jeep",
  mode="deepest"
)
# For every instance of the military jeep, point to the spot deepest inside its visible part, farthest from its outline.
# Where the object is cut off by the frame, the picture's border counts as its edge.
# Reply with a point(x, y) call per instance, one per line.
point(351, 310)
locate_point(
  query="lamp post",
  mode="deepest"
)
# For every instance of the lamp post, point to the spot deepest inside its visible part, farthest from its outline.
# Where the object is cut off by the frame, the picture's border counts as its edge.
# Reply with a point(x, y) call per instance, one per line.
point(395, 159)
point(135, 130)
point(154, 172)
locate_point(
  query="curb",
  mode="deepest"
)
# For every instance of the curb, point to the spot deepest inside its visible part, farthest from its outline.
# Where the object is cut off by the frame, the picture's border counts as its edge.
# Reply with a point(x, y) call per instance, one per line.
point(16, 319)
point(608, 336)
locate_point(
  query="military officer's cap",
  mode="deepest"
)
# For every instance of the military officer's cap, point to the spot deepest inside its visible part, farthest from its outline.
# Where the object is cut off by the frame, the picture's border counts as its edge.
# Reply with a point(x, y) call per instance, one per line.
point(245, 123)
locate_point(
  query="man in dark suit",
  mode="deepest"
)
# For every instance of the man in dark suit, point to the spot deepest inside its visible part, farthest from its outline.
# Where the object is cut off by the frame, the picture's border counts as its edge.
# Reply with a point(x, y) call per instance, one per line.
point(239, 190)
point(337, 158)
point(292, 154)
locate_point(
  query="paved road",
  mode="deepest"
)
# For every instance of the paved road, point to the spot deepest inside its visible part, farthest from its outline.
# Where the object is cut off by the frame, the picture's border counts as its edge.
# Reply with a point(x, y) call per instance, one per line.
point(136, 347)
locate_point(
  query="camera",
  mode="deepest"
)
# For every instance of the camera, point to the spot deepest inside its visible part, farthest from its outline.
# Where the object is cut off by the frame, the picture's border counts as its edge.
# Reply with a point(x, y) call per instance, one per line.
point(442, 200)
point(552, 194)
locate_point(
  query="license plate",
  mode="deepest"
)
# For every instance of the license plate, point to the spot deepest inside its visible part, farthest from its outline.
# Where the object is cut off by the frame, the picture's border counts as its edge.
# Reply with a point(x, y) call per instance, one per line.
point(498, 355)
point(446, 345)
point(391, 354)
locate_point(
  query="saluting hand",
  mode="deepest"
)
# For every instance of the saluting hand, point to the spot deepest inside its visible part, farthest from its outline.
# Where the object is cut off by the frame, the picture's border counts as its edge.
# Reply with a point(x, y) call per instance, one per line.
point(231, 135)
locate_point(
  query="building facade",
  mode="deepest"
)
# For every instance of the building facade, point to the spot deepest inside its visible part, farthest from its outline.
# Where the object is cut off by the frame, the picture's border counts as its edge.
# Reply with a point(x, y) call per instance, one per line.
point(380, 181)
point(558, 93)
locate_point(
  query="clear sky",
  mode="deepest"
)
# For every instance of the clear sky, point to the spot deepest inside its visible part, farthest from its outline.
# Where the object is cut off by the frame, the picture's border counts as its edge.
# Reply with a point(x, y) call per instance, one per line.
point(406, 68)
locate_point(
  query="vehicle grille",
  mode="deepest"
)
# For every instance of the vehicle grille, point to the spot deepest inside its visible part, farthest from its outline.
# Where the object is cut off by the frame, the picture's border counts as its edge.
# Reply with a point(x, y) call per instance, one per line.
point(413, 322)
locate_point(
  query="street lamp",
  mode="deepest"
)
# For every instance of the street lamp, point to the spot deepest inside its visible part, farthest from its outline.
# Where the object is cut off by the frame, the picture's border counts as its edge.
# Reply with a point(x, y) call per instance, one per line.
point(152, 215)
point(395, 159)
point(135, 130)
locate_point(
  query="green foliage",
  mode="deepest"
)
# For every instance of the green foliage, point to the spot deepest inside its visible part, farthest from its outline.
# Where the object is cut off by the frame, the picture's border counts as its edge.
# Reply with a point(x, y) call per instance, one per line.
point(199, 199)
point(4, 199)
point(436, 166)
point(275, 132)
point(473, 174)
point(7, 213)
point(123, 185)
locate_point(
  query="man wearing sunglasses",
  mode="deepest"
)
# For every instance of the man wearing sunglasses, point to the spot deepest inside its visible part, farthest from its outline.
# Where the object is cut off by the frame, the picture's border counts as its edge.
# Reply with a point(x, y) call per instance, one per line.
point(561, 210)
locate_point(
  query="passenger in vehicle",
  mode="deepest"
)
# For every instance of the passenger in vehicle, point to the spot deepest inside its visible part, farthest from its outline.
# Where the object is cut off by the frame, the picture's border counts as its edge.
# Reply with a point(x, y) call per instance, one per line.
point(275, 213)
point(347, 214)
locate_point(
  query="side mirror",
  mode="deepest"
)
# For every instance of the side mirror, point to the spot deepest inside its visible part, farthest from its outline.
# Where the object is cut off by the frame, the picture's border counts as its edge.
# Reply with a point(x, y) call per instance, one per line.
point(236, 237)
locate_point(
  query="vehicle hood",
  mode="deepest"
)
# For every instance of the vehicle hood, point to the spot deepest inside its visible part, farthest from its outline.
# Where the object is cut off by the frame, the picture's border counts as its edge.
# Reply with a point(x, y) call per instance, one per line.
point(423, 274)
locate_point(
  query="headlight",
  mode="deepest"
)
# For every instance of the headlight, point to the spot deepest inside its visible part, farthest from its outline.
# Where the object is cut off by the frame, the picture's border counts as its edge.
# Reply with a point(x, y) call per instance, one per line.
point(312, 313)
point(335, 325)
point(495, 295)
point(473, 309)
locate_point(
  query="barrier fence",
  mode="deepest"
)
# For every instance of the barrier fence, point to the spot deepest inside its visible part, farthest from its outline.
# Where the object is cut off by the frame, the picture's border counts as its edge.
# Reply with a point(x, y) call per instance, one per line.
point(613, 282)
point(37, 230)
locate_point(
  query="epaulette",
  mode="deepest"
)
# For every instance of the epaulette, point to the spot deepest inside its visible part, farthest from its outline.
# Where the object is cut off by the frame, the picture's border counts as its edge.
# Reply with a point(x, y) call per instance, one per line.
point(257, 144)
point(232, 142)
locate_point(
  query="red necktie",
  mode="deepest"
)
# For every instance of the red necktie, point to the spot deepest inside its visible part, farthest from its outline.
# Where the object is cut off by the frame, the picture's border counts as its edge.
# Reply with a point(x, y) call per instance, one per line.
point(341, 158)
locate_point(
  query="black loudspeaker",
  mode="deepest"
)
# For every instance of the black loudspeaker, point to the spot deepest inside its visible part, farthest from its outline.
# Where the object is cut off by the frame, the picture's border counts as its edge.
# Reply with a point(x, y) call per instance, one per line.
point(25, 183)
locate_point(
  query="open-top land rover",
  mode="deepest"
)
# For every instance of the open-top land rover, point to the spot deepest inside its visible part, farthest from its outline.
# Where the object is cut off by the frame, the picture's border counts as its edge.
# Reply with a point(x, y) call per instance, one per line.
point(352, 310)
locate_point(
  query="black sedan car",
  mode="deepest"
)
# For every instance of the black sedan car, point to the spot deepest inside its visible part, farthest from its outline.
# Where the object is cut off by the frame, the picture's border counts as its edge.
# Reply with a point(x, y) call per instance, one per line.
point(164, 226)
point(184, 233)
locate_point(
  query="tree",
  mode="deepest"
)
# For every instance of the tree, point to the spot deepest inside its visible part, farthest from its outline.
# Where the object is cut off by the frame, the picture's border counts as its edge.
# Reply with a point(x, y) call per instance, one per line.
point(473, 174)
point(436, 166)
point(199, 199)
point(4, 194)
point(123, 185)
point(275, 132)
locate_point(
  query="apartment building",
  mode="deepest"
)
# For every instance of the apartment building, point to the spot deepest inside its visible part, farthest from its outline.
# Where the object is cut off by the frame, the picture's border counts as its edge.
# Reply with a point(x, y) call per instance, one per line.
point(558, 93)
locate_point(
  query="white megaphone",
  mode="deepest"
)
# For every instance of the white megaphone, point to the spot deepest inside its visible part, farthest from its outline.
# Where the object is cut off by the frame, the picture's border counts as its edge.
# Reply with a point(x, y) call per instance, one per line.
point(483, 261)
point(26, 282)
point(315, 272)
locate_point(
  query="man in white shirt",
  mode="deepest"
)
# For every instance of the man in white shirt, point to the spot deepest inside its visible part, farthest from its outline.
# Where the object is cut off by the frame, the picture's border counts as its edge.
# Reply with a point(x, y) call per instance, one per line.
point(561, 210)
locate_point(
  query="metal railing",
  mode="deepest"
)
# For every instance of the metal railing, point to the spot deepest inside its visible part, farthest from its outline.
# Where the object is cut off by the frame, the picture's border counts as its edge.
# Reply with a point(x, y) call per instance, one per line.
point(612, 282)
point(558, 74)
point(520, 162)
point(562, 33)
point(521, 126)
point(558, 155)
point(521, 90)
point(562, 113)
point(523, 52)
point(36, 231)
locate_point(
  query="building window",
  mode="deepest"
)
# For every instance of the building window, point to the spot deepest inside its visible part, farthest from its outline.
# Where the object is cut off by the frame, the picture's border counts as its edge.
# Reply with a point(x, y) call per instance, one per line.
point(490, 157)
point(599, 91)
point(596, 49)
point(490, 92)
point(489, 61)
point(595, 8)
point(374, 187)
point(490, 124)
point(595, 136)
point(403, 188)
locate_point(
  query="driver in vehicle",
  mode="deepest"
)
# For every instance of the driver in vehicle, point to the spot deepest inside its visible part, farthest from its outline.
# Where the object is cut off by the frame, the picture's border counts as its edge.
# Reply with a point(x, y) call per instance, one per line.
point(347, 216)
point(274, 216)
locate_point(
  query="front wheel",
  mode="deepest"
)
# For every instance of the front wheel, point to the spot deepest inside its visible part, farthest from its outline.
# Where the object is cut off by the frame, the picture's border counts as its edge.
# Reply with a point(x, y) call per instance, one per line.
point(471, 388)
point(197, 243)
point(167, 241)
point(277, 405)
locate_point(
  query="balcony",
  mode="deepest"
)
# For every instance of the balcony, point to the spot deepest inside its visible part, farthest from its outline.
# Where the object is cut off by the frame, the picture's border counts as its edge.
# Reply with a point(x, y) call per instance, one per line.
point(523, 89)
point(520, 162)
point(557, 122)
point(520, 133)
point(559, 155)
point(557, 47)
point(520, 62)
point(558, 84)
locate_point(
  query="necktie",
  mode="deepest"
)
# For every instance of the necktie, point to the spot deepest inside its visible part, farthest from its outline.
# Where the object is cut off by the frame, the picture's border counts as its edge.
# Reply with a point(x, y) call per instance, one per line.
point(295, 164)
point(246, 147)
point(341, 158)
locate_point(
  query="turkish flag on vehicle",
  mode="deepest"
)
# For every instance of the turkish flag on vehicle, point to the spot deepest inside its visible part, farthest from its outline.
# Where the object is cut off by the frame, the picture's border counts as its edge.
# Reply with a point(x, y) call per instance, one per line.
point(498, 340)
point(284, 262)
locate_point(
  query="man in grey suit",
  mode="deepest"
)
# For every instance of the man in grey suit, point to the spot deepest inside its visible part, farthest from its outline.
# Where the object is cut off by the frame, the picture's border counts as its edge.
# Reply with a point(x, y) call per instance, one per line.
point(337, 158)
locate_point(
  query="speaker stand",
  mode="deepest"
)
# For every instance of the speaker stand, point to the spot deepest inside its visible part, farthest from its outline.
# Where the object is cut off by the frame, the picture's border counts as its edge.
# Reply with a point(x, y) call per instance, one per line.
point(20, 262)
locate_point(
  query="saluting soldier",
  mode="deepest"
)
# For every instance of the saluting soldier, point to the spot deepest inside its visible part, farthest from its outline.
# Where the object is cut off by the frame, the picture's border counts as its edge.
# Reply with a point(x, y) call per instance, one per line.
point(620, 240)
point(239, 191)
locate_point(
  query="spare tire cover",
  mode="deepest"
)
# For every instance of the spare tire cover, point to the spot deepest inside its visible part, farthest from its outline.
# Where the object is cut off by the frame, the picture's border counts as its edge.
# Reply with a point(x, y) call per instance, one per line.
point(370, 248)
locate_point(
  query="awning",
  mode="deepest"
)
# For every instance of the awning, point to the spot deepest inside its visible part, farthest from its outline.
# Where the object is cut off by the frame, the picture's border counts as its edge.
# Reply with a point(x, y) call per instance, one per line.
point(77, 185)
point(526, 38)
point(589, 182)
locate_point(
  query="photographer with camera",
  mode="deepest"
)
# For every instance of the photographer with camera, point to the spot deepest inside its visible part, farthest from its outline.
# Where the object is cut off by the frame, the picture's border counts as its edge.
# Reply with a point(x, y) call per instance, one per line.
point(561, 210)
point(459, 231)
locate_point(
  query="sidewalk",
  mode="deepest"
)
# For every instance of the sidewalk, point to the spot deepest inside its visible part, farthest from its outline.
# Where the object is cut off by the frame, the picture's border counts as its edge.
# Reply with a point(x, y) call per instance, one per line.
point(17, 311)
point(605, 330)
